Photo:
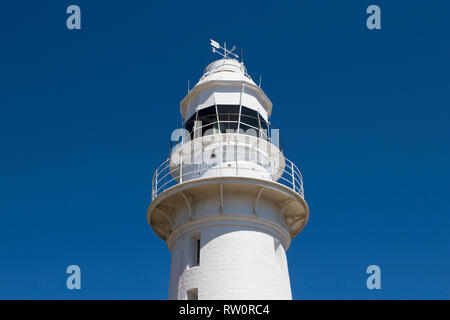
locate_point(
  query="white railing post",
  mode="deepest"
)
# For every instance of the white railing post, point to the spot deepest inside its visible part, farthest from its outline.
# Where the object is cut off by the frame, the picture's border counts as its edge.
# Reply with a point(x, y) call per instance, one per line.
point(156, 185)
point(293, 177)
point(181, 167)
point(235, 149)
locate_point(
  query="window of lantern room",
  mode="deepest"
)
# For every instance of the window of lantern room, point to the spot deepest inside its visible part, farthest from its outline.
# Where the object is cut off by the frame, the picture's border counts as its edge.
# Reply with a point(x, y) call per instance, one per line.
point(227, 119)
point(209, 123)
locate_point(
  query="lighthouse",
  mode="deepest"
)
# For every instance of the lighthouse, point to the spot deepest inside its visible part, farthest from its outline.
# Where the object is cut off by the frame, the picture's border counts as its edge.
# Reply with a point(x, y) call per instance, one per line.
point(227, 201)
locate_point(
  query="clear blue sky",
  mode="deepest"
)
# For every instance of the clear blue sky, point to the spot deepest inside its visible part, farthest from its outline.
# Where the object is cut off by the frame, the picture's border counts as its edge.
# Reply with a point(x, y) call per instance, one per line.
point(86, 118)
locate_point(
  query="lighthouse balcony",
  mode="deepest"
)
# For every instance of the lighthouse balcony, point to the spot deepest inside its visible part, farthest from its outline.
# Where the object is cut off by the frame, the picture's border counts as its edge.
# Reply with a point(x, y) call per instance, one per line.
point(217, 156)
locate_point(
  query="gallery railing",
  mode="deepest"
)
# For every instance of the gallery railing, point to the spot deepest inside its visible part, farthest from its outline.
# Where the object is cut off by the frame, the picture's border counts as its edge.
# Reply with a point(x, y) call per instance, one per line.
point(169, 174)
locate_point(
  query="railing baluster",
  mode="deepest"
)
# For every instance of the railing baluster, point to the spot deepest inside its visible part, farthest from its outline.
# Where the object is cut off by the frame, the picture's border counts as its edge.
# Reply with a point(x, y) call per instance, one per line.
point(181, 168)
point(293, 178)
point(156, 185)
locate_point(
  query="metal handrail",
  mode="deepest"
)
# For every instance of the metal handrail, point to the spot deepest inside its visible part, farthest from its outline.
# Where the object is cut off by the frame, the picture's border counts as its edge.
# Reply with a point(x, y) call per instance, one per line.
point(167, 175)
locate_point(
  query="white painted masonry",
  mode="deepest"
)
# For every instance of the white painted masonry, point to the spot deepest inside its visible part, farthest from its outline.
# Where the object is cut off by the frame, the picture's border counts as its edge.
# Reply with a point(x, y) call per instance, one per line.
point(236, 262)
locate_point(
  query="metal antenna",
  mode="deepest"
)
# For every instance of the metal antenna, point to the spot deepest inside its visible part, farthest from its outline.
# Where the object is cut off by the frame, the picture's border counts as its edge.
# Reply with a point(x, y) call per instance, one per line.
point(224, 51)
point(260, 80)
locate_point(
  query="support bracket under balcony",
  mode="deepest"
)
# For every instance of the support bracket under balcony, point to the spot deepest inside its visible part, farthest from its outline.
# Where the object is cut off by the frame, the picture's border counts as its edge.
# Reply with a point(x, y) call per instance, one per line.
point(258, 196)
point(188, 203)
point(221, 199)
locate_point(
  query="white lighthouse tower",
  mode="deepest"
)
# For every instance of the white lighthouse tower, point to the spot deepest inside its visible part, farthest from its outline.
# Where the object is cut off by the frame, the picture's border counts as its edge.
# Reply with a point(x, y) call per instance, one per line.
point(226, 201)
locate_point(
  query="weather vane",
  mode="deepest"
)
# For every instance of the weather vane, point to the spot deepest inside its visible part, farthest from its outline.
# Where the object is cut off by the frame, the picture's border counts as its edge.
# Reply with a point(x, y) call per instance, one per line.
point(216, 46)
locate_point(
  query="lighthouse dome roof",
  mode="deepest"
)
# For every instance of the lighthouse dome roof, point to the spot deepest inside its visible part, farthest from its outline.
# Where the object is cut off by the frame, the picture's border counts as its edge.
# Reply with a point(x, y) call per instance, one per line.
point(225, 69)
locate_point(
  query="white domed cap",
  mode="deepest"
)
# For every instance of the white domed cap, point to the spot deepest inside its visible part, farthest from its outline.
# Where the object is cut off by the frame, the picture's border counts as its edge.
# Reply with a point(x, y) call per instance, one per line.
point(223, 82)
point(225, 69)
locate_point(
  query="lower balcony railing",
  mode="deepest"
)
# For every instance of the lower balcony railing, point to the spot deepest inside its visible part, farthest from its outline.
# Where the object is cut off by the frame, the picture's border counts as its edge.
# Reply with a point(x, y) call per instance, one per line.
point(169, 174)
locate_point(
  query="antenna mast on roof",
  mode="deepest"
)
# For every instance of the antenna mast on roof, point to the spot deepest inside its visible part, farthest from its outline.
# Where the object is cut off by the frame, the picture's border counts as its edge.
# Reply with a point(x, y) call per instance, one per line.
point(224, 52)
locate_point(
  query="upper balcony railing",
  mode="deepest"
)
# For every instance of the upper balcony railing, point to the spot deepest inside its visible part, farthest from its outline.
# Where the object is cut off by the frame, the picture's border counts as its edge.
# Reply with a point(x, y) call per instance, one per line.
point(218, 119)
point(270, 135)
